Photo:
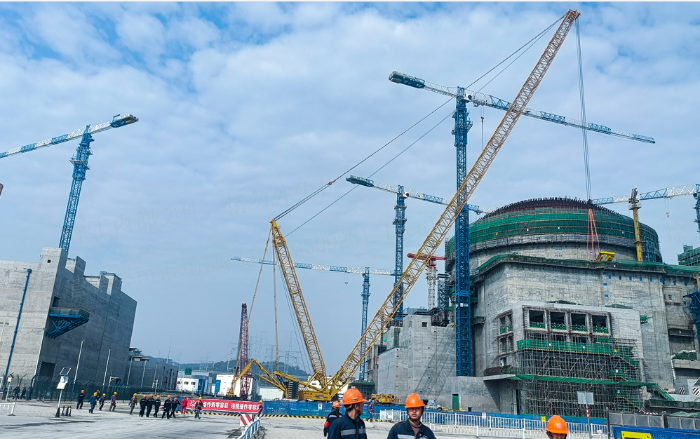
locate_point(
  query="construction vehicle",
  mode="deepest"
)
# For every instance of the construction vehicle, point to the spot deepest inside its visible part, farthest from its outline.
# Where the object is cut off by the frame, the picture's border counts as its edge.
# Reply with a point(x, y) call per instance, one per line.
point(384, 398)
point(328, 388)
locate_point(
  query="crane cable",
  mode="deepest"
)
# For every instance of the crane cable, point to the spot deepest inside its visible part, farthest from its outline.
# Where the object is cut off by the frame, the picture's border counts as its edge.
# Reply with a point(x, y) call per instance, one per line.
point(327, 185)
point(370, 175)
point(592, 231)
point(530, 43)
point(250, 311)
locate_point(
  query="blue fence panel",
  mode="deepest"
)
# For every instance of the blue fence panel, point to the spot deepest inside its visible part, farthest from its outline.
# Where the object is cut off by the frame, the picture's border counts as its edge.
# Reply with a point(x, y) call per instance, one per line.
point(657, 433)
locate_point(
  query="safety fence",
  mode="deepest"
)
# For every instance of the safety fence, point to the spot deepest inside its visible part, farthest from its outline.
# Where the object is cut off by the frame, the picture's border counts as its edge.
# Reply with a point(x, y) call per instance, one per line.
point(619, 432)
point(250, 430)
point(7, 407)
point(498, 425)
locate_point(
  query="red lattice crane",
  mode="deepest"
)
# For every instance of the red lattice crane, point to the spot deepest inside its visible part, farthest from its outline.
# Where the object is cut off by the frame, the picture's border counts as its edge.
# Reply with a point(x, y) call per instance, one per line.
point(247, 378)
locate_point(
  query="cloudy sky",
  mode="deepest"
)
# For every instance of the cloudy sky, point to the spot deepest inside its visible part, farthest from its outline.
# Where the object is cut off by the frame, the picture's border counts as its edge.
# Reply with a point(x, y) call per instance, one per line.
point(245, 108)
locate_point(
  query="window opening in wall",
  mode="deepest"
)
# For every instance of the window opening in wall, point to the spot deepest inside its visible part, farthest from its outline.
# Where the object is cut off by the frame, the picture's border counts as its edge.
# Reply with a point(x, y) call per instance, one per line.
point(537, 319)
point(559, 337)
point(578, 322)
point(55, 302)
point(600, 324)
point(579, 339)
point(424, 324)
point(558, 320)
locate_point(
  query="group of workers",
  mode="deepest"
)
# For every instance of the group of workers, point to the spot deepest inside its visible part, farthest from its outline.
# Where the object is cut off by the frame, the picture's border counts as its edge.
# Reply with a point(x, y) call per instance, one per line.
point(351, 426)
point(95, 399)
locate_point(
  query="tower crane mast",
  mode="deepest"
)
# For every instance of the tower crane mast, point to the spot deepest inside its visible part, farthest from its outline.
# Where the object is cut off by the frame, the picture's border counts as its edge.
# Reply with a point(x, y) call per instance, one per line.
point(461, 128)
point(400, 221)
point(436, 236)
point(635, 197)
point(80, 164)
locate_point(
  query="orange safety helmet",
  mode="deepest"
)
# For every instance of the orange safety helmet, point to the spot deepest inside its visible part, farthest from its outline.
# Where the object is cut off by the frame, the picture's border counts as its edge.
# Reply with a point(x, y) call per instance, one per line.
point(352, 396)
point(336, 404)
point(557, 424)
point(414, 401)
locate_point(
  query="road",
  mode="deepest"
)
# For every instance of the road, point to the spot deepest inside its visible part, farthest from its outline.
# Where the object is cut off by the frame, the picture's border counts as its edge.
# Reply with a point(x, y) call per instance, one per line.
point(36, 420)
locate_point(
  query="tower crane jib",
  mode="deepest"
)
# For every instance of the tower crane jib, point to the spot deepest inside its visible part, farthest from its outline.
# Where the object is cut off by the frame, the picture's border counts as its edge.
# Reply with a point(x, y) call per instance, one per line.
point(411, 275)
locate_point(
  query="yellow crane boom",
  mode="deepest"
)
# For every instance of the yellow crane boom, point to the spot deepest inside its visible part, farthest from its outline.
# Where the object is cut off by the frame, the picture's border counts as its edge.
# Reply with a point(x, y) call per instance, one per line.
point(302, 313)
point(268, 377)
point(457, 203)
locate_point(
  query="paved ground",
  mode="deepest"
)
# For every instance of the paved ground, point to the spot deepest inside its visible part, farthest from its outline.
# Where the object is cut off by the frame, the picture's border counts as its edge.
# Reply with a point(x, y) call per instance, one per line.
point(36, 420)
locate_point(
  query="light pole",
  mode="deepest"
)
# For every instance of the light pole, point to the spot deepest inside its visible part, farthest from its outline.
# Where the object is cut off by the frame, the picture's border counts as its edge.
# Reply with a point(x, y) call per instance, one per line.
point(14, 337)
point(106, 365)
point(145, 360)
point(77, 366)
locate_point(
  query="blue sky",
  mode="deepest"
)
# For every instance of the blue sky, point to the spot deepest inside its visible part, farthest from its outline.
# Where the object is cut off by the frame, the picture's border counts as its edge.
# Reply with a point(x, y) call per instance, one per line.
point(245, 108)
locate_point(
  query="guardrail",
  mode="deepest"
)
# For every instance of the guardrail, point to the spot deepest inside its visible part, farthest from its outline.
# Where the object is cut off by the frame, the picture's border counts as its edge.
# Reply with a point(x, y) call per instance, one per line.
point(8, 407)
point(490, 423)
point(250, 430)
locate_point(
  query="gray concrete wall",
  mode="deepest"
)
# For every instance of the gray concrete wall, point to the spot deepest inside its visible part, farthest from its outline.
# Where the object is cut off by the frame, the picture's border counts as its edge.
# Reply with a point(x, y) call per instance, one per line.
point(472, 392)
point(62, 281)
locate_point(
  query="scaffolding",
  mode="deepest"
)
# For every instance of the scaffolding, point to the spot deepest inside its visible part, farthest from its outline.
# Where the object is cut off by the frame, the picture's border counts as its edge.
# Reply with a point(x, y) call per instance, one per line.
point(549, 373)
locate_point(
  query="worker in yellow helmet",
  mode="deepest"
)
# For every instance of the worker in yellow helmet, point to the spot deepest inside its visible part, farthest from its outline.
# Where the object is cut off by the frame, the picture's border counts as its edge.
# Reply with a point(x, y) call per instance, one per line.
point(412, 427)
point(556, 428)
point(350, 426)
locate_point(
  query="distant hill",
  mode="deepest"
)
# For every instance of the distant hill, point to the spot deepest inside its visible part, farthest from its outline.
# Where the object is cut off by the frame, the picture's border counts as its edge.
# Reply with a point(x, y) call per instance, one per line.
point(221, 367)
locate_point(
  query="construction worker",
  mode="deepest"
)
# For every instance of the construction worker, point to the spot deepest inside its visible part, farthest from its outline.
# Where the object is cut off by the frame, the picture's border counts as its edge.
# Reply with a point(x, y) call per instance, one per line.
point(350, 426)
point(142, 404)
point(81, 397)
point(113, 402)
point(133, 402)
point(332, 416)
point(156, 406)
point(149, 405)
point(556, 428)
point(412, 427)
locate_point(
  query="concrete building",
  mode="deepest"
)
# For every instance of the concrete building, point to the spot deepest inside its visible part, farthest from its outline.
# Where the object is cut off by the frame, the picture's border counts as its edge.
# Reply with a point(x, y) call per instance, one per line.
point(223, 384)
point(145, 371)
point(546, 322)
point(67, 315)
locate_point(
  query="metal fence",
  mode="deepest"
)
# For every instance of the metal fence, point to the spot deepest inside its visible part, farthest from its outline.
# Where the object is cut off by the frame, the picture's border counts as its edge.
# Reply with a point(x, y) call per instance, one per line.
point(45, 390)
point(7, 407)
point(654, 421)
point(490, 423)
point(251, 429)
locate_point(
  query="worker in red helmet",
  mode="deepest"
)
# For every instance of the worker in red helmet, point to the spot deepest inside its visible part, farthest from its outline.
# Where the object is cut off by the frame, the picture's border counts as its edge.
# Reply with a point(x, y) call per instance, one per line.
point(412, 427)
point(556, 428)
point(350, 426)
point(332, 417)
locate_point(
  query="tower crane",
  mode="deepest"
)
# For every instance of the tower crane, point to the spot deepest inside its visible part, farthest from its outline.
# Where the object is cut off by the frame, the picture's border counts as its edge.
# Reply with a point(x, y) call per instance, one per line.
point(635, 197)
point(365, 272)
point(431, 275)
point(385, 313)
point(461, 128)
point(400, 219)
point(448, 218)
point(80, 164)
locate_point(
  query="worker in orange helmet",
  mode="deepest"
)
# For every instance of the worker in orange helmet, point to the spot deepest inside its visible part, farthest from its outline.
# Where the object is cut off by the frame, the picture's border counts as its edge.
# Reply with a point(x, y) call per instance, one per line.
point(332, 417)
point(350, 426)
point(412, 427)
point(556, 428)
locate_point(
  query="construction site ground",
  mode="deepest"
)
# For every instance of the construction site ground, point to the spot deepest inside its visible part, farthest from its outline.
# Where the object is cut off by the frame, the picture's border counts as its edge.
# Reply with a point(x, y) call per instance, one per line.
point(36, 419)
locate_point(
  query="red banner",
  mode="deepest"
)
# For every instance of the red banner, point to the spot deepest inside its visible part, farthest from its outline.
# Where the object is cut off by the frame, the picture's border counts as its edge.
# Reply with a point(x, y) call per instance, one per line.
point(226, 405)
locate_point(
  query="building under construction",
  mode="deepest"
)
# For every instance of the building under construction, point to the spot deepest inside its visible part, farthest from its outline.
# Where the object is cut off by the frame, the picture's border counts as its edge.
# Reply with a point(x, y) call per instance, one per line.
point(548, 322)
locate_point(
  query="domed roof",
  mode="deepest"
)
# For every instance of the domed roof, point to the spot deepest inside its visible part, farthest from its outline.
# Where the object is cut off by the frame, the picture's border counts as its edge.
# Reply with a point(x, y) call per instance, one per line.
point(554, 203)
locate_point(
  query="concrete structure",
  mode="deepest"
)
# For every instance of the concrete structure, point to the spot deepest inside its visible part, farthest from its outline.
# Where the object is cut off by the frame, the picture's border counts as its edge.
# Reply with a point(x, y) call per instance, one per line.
point(690, 256)
point(145, 371)
point(547, 322)
point(270, 393)
point(66, 315)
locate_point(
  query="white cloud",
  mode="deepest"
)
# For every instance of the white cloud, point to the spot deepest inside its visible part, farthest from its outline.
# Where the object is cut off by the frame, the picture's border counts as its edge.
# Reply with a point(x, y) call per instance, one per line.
point(238, 122)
